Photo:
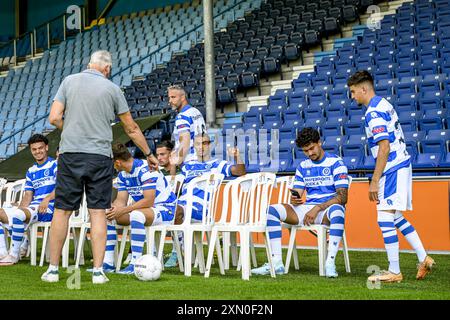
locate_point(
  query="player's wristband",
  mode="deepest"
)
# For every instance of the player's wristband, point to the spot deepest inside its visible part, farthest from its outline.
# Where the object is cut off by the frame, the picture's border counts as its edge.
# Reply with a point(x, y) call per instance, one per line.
point(148, 154)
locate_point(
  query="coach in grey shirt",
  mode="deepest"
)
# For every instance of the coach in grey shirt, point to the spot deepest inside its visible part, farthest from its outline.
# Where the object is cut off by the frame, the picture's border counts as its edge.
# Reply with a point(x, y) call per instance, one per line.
point(84, 107)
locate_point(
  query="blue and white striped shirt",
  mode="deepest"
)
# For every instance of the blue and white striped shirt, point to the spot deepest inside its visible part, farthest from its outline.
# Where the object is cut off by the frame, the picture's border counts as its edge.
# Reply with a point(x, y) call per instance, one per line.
point(193, 169)
point(382, 124)
point(41, 180)
point(140, 179)
point(188, 120)
point(321, 179)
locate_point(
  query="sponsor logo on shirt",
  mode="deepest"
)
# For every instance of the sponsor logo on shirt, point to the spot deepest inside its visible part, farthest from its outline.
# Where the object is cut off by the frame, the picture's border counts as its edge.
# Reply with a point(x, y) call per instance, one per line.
point(379, 129)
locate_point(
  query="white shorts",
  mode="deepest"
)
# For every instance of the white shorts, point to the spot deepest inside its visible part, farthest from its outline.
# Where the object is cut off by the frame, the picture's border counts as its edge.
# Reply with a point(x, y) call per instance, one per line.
point(303, 209)
point(163, 215)
point(395, 191)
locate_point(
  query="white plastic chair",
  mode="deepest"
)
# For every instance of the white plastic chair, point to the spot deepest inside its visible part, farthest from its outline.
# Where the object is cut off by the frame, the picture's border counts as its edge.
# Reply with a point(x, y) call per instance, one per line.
point(83, 223)
point(249, 198)
point(321, 231)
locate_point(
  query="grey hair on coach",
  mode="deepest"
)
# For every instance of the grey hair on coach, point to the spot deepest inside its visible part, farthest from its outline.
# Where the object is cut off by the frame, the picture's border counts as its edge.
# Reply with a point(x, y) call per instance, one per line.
point(101, 58)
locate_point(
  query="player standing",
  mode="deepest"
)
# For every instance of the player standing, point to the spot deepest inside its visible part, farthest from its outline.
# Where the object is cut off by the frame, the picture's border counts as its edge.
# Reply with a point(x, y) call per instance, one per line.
point(391, 184)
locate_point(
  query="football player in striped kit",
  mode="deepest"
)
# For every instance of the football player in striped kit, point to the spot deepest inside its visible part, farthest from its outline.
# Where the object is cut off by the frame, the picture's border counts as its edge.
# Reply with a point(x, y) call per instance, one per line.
point(324, 177)
point(37, 203)
point(154, 204)
point(391, 183)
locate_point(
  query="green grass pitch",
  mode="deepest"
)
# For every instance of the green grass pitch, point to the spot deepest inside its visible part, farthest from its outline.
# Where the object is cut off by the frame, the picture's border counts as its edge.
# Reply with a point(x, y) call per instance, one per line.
point(23, 282)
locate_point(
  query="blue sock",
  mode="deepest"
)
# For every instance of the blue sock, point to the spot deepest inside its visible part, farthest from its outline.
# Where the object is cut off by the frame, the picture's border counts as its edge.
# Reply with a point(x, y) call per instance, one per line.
point(18, 229)
point(277, 213)
point(337, 219)
point(137, 222)
point(410, 234)
point(3, 249)
point(111, 241)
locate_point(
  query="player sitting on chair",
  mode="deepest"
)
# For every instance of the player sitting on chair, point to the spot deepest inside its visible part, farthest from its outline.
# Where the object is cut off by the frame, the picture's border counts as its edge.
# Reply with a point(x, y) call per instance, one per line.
point(154, 204)
point(37, 203)
point(194, 168)
point(324, 177)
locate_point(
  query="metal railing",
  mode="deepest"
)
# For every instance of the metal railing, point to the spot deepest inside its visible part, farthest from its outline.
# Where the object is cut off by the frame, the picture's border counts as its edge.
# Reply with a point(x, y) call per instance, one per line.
point(33, 35)
point(12, 136)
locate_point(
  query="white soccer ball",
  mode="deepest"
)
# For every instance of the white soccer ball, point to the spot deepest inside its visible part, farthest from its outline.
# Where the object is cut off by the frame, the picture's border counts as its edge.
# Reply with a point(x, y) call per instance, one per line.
point(147, 268)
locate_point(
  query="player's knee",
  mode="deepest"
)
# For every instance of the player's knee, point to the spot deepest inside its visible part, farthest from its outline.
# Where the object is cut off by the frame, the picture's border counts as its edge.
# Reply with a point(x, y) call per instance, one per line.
point(179, 215)
point(19, 214)
point(138, 216)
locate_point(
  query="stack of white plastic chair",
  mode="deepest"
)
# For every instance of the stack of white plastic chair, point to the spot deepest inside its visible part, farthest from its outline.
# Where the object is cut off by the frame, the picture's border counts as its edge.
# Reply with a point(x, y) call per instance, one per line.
point(81, 221)
point(321, 232)
point(249, 198)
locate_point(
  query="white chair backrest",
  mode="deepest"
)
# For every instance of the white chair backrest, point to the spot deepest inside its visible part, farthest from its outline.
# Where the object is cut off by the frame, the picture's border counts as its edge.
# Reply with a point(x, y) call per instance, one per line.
point(3, 183)
point(283, 185)
point(210, 184)
point(14, 191)
point(250, 197)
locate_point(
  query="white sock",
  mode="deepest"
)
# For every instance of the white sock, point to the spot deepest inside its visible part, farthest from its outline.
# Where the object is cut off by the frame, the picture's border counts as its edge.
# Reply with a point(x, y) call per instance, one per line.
point(111, 241)
point(24, 244)
point(3, 249)
point(18, 229)
point(386, 224)
point(53, 268)
point(137, 222)
point(97, 270)
point(410, 234)
point(276, 214)
point(337, 220)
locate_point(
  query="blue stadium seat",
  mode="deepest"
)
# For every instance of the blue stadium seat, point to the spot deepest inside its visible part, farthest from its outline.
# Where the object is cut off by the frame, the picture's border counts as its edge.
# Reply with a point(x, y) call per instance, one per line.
point(353, 162)
point(433, 146)
point(430, 124)
point(353, 149)
point(427, 160)
point(415, 136)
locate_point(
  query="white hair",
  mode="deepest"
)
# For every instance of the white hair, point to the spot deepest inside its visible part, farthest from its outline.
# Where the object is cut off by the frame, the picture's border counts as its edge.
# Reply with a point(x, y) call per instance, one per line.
point(101, 58)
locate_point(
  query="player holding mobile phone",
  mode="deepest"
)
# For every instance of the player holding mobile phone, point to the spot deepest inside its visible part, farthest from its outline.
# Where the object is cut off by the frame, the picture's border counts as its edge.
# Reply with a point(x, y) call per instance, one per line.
point(324, 178)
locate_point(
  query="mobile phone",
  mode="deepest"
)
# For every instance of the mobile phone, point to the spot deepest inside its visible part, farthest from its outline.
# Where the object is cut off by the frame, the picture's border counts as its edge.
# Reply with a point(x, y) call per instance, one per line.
point(294, 193)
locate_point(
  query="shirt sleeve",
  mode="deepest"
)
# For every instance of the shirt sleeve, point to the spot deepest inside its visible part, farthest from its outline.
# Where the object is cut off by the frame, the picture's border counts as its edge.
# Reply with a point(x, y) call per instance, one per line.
point(299, 183)
point(183, 123)
point(340, 175)
point(61, 93)
point(148, 179)
point(120, 183)
point(28, 183)
point(55, 170)
point(377, 123)
point(120, 103)
point(225, 168)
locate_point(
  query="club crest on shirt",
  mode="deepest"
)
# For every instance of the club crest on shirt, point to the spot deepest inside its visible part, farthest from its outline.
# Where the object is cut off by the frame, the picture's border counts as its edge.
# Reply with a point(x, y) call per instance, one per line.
point(47, 172)
point(326, 171)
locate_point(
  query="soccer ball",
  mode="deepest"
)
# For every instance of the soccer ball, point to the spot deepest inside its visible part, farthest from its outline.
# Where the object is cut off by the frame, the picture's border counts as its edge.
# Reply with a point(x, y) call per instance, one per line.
point(147, 268)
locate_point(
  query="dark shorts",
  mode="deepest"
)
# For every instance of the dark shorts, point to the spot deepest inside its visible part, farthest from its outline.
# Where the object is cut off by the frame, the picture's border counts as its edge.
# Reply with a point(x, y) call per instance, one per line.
point(83, 172)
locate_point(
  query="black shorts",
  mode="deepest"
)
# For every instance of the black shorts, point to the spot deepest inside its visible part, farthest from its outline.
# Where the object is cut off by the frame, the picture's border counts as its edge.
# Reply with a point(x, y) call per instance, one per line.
point(83, 172)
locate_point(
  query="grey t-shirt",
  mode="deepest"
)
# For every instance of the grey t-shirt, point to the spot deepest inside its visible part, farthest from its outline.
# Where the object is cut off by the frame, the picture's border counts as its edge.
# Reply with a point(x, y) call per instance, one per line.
point(91, 103)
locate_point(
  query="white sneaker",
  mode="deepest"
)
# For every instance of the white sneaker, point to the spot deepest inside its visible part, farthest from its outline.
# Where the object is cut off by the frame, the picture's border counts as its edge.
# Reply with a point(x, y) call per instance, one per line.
point(50, 276)
point(265, 269)
point(9, 260)
point(99, 277)
point(330, 270)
